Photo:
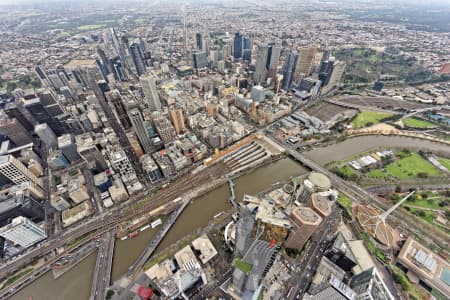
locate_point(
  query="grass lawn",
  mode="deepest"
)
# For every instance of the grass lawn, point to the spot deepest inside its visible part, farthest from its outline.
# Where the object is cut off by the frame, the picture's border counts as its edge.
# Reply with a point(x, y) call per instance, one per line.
point(428, 216)
point(89, 27)
point(242, 265)
point(445, 162)
point(367, 118)
point(411, 166)
point(345, 202)
point(373, 58)
point(426, 203)
point(347, 171)
point(417, 123)
point(377, 173)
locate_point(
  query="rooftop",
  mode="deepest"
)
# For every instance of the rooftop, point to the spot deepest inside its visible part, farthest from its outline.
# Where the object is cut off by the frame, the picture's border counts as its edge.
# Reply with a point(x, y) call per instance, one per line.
point(206, 248)
point(320, 181)
point(307, 215)
point(428, 266)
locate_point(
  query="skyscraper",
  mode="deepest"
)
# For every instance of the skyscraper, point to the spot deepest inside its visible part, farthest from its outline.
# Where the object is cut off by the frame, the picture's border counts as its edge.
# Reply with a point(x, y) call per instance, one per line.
point(246, 44)
point(148, 84)
point(261, 61)
point(336, 75)
point(305, 222)
point(41, 115)
point(46, 135)
point(325, 71)
point(176, 115)
point(237, 45)
point(23, 232)
point(199, 59)
point(138, 58)
point(15, 131)
point(289, 69)
point(16, 110)
point(305, 63)
point(163, 127)
point(114, 99)
point(140, 129)
point(273, 60)
point(244, 227)
point(16, 171)
point(198, 40)
point(369, 285)
point(247, 55)
point(66, 143)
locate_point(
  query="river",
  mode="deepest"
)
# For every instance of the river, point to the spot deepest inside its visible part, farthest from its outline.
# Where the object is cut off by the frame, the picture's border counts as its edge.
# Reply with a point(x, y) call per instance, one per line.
point(76, 284)
point(353, 146)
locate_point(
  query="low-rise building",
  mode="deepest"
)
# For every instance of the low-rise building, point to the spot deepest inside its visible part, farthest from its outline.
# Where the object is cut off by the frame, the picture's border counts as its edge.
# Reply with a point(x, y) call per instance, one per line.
point(424, 265)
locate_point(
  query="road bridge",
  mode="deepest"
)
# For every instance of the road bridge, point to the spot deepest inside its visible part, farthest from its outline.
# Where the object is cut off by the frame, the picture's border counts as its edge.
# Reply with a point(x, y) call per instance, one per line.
point(151, 247)
point(103, 266)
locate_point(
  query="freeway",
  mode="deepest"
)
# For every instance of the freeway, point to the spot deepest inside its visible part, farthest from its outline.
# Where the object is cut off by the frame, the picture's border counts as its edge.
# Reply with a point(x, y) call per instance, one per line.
point(103, 266)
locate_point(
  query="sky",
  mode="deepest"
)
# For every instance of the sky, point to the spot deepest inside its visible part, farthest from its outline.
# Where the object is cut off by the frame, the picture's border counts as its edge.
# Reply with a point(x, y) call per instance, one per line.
point(428, 2)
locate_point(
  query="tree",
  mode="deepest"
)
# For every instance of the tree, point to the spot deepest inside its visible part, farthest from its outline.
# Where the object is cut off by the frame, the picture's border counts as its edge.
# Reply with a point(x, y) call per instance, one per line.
point(422, 175)
point(421, 213)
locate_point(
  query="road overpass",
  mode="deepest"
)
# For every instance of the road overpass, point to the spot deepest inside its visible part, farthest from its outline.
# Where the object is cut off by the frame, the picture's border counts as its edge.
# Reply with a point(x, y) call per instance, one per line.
point(103, 266)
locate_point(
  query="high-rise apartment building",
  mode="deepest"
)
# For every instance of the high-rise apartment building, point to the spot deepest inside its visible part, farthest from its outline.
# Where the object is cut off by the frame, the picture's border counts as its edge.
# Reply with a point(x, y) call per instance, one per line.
point(305, 62)
point(148, 84)
point(22, 231)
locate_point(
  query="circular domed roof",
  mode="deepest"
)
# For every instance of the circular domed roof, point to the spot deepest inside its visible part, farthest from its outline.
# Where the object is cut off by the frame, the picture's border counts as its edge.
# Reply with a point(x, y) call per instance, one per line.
point(320, 181)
